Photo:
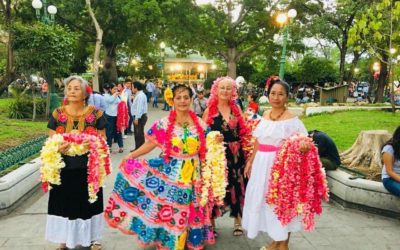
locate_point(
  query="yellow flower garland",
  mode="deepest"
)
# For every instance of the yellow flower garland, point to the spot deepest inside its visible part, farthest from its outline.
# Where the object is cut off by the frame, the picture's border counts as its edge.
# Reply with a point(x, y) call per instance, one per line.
point(214, 171)
point(52, 162)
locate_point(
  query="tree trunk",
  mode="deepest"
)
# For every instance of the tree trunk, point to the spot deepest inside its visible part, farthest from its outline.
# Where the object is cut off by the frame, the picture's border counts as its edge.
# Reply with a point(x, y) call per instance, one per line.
point(99, 37)
point(382, 80)
point(354, 62)
point(366, 151)
point(231, 61)
point(110, 66)
point(343, 51)
point(34, 104)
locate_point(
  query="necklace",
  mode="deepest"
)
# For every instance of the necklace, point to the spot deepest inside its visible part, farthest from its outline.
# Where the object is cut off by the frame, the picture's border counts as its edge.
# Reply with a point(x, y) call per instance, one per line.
point(276, 118)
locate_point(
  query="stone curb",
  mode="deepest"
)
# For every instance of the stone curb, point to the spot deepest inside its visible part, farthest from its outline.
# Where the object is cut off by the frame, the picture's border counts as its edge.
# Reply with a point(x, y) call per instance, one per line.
point(16, 186)
point(365, 195)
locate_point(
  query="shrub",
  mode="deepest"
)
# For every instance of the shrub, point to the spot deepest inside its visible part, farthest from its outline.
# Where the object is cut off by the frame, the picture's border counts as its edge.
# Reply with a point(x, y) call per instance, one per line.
point(19, 109)
point(22, 108)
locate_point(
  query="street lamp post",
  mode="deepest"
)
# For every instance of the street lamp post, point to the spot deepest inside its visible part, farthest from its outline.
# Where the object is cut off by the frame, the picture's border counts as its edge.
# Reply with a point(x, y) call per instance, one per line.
point(284, 19)
point(52, 98)
point(162, 47)
point(51, 9)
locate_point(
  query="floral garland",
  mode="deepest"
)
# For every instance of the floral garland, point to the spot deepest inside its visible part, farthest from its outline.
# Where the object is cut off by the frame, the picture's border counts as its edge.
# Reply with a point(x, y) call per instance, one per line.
point(214, 174)
point(297, 183)
point(244, 131)
point(170, 129)
point(80, 143)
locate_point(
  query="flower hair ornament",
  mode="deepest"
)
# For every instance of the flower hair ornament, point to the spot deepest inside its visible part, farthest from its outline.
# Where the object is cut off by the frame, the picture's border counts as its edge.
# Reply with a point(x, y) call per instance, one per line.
point(88, 90)
point(269, 81)
point(168, 97)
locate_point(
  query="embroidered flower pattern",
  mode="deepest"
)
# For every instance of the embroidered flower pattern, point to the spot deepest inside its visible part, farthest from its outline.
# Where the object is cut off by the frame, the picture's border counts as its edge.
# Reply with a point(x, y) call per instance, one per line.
point(90, 118)
point(62, 117)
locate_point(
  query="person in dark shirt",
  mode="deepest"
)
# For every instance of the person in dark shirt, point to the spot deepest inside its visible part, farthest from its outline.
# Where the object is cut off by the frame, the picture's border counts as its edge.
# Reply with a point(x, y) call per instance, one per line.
point(327, 150)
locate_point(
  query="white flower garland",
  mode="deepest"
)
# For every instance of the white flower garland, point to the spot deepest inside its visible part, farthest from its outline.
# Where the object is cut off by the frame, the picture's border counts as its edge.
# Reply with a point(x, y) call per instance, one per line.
point(214, 173)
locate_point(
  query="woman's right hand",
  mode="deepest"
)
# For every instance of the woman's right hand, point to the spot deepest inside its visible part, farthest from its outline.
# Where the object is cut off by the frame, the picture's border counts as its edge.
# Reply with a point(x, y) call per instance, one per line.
point(127, 157)
point(247, 169)
point(64, 147)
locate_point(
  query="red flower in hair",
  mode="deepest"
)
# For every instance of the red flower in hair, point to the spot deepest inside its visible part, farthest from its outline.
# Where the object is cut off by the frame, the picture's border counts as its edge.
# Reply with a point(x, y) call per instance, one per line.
point(269, 80)
point(88, 90)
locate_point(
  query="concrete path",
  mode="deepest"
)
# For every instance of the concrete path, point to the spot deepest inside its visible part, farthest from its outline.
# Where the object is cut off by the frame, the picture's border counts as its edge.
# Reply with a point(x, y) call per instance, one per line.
point(337, 228)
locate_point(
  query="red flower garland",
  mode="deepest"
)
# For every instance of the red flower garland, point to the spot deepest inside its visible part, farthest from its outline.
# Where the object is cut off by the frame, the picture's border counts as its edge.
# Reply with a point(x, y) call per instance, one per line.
point(170, 128)
point(122, 116)
point(297, 183)
point(93, 177)
point(244, 130)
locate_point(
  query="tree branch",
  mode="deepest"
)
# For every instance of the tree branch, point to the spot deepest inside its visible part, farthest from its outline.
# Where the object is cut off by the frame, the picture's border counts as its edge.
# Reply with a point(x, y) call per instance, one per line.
point(249, 50)
point(77, 27)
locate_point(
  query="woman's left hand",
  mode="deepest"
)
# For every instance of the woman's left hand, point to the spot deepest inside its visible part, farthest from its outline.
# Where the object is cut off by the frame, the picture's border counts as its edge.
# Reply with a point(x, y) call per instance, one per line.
point(304, 147)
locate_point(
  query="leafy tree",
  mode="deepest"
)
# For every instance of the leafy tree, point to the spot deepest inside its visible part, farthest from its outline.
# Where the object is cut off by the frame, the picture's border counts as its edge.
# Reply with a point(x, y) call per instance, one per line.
point(376, 28)
point(43, 49)
point(213, 30)
point(332, 20)
point(130, 23)
point(6, 9)
point(313, 70)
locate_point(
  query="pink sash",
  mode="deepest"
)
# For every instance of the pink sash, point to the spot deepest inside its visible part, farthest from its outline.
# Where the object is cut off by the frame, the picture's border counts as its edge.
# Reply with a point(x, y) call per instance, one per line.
point(268, 148)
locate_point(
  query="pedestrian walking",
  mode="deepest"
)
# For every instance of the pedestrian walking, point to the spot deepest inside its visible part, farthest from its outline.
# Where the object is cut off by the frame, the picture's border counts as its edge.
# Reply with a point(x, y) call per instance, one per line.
point(156, 94)
point(200, 103)
point(112, 100)
point(139, 113)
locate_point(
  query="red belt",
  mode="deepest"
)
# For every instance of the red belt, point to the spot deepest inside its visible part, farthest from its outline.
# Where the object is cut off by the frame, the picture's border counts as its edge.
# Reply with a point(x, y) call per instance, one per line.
point(268, 148)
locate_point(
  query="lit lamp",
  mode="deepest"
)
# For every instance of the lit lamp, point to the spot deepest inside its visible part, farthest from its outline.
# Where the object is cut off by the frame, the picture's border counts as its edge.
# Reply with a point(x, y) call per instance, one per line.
point(283, 19)
point(376, 67)
point(162, 53)
point(51, 9)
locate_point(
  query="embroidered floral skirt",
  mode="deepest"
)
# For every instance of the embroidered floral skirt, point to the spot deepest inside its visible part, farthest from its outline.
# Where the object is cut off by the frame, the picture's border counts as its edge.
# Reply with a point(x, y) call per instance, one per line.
point(152, 201)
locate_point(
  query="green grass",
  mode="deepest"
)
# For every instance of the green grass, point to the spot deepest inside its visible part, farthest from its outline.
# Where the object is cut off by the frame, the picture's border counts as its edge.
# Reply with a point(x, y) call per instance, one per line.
point(14, 132)
point(343, 127)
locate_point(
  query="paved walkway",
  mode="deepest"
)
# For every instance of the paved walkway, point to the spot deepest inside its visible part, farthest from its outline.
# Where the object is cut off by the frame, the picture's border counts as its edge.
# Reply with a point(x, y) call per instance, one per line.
point(337, 228)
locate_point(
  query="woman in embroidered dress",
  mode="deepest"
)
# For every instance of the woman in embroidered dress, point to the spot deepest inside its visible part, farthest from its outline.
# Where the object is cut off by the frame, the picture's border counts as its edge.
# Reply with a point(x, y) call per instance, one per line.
point(71, 219)
point(158, 199)
point(276, 125)
point(224, 115)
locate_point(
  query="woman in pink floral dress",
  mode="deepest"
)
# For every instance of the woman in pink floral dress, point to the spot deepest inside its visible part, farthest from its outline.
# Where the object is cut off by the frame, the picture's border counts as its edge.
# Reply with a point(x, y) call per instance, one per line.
point(158, 200)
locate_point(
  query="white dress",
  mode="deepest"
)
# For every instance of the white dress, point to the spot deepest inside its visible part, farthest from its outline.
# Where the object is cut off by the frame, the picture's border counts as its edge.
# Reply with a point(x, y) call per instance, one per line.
point(257, 214)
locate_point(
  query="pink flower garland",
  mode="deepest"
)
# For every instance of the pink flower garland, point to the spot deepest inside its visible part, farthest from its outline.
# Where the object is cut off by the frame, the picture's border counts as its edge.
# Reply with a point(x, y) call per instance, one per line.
point(170, 129)
point(244, 131)
point(297, 183)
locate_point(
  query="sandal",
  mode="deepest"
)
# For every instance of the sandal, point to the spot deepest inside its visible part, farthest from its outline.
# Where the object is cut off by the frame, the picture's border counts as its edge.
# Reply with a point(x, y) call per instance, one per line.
point(237, 230)
point(215, 234)
point(95, 246)
point(121, 150)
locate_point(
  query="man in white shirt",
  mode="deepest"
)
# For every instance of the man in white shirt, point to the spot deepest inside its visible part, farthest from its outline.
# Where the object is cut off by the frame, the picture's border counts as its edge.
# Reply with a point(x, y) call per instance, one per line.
point(139, 113)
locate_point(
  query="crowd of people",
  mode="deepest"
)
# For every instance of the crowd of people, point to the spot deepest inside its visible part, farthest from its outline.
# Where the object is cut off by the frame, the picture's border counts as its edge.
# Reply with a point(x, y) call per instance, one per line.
point(157, 200)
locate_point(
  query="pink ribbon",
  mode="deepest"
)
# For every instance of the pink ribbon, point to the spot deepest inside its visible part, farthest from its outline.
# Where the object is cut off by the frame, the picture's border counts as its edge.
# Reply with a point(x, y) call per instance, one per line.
point(268, 148)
